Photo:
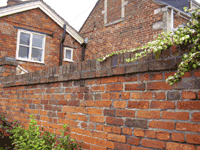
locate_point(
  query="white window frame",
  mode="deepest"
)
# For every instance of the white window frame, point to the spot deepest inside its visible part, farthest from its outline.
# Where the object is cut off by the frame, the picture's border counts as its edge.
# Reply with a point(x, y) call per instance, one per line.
point(30, 46)
point(71, 49)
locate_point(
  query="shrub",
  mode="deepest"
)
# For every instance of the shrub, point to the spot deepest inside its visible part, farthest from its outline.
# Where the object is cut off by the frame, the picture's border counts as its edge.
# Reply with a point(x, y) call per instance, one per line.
point(32, 139)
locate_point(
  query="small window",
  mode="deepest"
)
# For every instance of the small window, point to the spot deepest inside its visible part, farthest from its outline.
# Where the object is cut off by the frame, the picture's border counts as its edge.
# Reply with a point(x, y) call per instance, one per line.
point(68, 54)
point(30, 46)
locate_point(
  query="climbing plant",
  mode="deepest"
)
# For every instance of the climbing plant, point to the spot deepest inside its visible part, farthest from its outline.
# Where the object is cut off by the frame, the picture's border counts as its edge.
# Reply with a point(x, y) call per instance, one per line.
point(188, 34)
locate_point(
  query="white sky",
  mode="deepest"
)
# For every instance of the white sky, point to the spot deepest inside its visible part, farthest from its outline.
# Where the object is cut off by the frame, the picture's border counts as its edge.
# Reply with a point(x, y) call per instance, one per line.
point(75, 12)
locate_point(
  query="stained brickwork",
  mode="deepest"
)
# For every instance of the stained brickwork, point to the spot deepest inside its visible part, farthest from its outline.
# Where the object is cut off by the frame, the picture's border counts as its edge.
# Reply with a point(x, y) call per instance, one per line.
point(123, 106)
point(138, 26)
point(35, 20)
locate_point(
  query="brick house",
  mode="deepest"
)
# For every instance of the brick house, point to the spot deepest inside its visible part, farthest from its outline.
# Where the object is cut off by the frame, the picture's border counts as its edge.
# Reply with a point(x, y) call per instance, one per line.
point(33, 34)
point(115, 25)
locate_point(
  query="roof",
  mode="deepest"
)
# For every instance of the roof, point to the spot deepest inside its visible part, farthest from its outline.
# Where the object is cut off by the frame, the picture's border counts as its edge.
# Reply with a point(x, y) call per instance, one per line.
point(179, 4)
point(28, 5)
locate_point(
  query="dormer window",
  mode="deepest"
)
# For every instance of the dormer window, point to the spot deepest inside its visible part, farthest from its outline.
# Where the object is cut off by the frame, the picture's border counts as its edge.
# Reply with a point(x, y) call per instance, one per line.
point(30, 46)
point(68, 54)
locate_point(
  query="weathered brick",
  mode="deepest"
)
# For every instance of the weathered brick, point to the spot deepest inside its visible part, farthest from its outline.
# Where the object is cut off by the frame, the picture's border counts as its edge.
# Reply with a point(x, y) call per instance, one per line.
point(133, 140)
point(196, 117)
point(117, 138)
point(133, 87)
point(120, 146)
point(188, 127)
point(116, 130)
point(150, 134)
point(173, 95)
point(153, 143)
point(109, 112)
point(94, 111)
point(148, 114)
point(127, 131)
point(177, 146)
point(193, 138)
point(162, 135)
point(114, 95)
point(139, 132)
point(125, 95)
point(114, 87)
point(103, 103)
point(158, 86)
point(138, 104)
point(179, 137)
point(191, 105)
point(136, 123)
point(99, 119)
point(147, 95)
point(160, 95)
point(115, 121)
point(175, 115)
point(136, 95)
point(162, 105)
point(162, 125)
point(125, 113)
point(189, 95)
point(119, 104)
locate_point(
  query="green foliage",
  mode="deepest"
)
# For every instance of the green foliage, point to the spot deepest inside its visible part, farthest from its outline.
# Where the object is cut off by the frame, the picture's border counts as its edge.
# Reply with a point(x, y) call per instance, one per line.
point(31, 139)
point(189, 34)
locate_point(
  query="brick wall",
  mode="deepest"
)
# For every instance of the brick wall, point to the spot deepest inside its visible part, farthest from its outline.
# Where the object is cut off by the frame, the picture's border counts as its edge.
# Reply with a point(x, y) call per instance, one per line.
point(35, 20)
point(113, 104)
point(137, 27)
point(7, 66)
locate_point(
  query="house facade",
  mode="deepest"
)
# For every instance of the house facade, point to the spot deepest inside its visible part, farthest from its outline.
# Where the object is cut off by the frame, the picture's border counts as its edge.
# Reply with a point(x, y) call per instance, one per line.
point(116, 25)
point(32, 33)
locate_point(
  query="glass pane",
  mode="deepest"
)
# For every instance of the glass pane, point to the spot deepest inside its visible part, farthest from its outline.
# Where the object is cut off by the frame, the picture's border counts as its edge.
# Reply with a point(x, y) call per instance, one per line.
point(23, 52)
point(38, 41)
point(36, 54)
point(68, 54)
point(24, 38)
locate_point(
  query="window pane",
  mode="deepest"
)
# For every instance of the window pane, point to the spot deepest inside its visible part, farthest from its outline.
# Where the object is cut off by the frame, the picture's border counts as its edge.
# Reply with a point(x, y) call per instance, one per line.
point(68, 54)
point(36, 54)
point(23, 52)
point(38, 41)
point(24, 38)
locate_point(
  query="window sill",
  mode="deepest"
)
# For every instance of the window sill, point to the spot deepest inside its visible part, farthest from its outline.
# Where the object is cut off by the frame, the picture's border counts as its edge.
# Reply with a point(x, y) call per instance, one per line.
point(114, 22)
point(68, 60)
point(32, 61)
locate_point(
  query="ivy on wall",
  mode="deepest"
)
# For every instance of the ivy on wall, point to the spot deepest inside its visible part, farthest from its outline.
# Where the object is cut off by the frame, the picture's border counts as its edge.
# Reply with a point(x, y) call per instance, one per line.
point(188, 34)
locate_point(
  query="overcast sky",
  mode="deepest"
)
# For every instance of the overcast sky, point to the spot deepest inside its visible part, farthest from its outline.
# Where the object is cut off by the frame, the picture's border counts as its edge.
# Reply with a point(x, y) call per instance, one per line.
point(74, 12)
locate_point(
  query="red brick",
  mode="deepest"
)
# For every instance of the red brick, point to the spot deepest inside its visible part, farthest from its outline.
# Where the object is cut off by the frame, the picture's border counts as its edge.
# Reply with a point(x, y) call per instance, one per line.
point(125, 95)
point(90, 103)
point(169, 74)
point(189, 95)
point(115, 121)
point(148, 114)
point(108, 129)
point(175, 115)
point(119, 104)
point(147, 95)
point(117, 138)
point(138, 148)
point(139, 132)
point(110, 80)
point(97, 88)
point(199, 95)
point(117, 130)
point(162, 125)
point(162, 135)
point(188, 127)
point(133, 140)
point(178, 146)
point(103, 103)
point(120, 146)
point(179, 137)
point(156, 76)
point(105, 95)
point(162, 105)
point(125, 113)
point(191, 105)
point(133, 87)
point(127, 131)
point(114, 95)
point(128, 78)
point(101, 135)
point(197, 73)
point(153, 143)
point(99, 119)
point(144, 77)
point(160, 95)
point(193, 138)
point(158, 86)
point(94, 111)
point(150, 134)
point(196, 116)
point(138, 104)
point(136, 95)
point(99, 127)
point(114, 87)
